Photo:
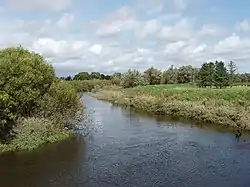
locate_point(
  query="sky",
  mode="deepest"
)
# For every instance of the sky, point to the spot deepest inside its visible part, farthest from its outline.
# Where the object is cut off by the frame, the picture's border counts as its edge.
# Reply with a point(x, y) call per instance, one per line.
point(115, 35)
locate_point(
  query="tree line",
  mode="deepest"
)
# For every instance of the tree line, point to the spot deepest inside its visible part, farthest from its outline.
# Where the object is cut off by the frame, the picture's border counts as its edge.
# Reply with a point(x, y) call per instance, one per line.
point(210, 74)
point(87, 76)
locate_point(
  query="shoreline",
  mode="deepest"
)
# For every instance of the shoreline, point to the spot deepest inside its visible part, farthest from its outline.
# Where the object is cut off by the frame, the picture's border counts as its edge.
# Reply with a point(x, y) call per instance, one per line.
point(23, 147)
point(227, 117)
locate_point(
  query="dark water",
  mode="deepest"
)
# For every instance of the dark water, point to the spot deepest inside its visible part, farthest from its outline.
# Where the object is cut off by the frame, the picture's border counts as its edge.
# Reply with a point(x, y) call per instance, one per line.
point(132, 149)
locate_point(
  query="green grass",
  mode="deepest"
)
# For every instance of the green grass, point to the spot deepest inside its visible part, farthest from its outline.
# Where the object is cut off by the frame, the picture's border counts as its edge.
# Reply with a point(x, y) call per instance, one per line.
point(32, 133)
point(228, 107)
point(192, 93)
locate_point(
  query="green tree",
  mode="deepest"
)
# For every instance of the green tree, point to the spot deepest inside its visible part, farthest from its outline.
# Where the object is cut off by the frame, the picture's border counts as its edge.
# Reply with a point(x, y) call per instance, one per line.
point(82, 76)
point(153, 76)
point(185, 74)
point(95, 75)
point(68, 78)
point(211, 71)
point(24, 78)
point(221, 76)
point(132, 78)
point(232, 68)
point(117, 75)
point(170, 76)
point(203, 75)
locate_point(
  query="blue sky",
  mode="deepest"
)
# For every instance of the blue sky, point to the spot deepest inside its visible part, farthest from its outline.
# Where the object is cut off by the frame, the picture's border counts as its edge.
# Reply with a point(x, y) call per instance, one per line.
point(114, 35)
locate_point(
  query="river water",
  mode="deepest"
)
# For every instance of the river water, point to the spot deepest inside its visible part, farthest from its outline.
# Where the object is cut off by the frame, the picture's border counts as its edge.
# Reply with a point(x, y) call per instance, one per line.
point(132, 149)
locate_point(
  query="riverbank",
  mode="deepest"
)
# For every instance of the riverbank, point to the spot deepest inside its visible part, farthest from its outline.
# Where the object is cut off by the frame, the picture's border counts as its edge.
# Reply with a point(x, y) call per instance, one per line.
point(31, 140)
point(227, 107)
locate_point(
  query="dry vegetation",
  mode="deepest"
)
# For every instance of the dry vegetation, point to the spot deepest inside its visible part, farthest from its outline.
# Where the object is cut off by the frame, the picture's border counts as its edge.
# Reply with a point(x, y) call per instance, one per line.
point(227, 107)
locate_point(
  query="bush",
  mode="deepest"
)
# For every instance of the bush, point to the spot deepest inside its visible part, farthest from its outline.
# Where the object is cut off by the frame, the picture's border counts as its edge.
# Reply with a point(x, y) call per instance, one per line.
point(132, 78)
point(24, 78)
point(89, 85)
point(61, 104)
point(34, 105)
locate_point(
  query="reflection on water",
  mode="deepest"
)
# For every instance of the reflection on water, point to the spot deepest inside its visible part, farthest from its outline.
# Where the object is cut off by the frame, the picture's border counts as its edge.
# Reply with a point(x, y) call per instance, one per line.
point(129, 148)
point(42, 167)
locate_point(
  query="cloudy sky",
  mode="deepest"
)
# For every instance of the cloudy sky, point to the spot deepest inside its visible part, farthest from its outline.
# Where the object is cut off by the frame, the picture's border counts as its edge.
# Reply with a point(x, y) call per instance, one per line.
point(114, 35)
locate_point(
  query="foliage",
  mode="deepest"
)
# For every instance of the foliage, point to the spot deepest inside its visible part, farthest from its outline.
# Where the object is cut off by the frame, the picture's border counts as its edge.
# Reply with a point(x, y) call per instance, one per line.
point(170, 76)
point(82, 76)
point(61, 104)
point(89, 85)
point(232, 68)
point(7, 115)
point(132, 78)
point(35, 106)
point(185, 74)
point(221, 78)
point(24, 78)
point(95, 75)
point(34, 132)
point(153, 76)
point(206, 74)
point(227, 107)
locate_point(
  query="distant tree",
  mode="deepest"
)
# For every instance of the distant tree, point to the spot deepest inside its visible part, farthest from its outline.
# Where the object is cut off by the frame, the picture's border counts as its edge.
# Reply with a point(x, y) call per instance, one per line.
point(116, 78)
point(211, 70)
point(195, 73)
point(132, 78)
point(185, 74)
point(107, 77)
point(203, 75)
point(95, 75)
point(232, 68)
point(103, 77)
point(68, 78)
point(221, 76)
point(153, 76)
point(117, 75)
point(82, 76)
point(169, 76)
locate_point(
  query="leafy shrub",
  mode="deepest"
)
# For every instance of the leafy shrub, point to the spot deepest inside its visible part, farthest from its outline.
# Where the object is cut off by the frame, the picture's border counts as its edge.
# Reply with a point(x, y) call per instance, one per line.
point(25, 77)
point(132, 78)
point(34, 105)
point(61, 104)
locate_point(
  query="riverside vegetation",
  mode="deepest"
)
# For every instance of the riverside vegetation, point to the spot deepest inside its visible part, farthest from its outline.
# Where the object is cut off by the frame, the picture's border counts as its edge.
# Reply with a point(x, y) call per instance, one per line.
point(36, 107)
point(211, 94)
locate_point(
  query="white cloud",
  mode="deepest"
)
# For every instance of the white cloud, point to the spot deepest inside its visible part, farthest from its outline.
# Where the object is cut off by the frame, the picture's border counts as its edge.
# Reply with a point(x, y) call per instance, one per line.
point(96, 49)
point(36, 5)
point(149, 27)
point(65, 21)
point(243, 26)
point(73, 43)
point(116, 22)
point(181, 30)
point(181, 4)
point(60, 49)
point(209, 30)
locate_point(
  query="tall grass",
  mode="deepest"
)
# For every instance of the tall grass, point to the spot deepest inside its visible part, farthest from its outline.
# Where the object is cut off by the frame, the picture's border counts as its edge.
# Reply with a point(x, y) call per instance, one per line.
point(228, 107)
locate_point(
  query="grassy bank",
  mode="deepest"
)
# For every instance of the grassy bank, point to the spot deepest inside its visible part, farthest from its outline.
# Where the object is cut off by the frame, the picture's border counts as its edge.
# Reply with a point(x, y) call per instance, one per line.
point(228, 107)
point(33, 133)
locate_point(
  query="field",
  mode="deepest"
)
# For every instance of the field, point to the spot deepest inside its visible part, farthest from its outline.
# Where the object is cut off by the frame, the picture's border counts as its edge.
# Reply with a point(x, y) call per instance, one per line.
point(192, 93)
point(227, 107)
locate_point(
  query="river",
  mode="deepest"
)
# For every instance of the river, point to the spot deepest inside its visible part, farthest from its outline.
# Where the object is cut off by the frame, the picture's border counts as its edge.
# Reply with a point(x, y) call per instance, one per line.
point(128, 148)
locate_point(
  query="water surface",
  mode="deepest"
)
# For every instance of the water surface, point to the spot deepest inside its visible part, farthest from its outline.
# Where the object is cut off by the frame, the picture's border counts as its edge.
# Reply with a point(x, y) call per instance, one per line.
point(133, 149)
